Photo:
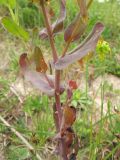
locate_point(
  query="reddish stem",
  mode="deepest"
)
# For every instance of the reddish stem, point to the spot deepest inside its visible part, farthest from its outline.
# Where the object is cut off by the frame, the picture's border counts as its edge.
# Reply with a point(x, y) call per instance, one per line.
point(57, 80)
point(55, 115)
point(55, 57)
point(57, 95)
point(49, 29)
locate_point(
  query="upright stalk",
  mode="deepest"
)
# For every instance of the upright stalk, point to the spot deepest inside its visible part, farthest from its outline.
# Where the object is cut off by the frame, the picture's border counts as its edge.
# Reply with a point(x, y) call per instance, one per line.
point(57, 80)
point(55, 57)
point(57, 95)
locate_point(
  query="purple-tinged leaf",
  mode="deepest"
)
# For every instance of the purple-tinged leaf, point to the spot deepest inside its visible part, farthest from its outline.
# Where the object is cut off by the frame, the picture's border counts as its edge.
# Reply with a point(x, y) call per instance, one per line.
point(37, 80)
point(58, 25)
point(41, 81)
point(75, 29)
point(88, 45)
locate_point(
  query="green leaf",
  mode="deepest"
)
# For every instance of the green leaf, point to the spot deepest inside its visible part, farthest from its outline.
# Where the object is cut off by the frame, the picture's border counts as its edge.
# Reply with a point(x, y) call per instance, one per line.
point(13, 28)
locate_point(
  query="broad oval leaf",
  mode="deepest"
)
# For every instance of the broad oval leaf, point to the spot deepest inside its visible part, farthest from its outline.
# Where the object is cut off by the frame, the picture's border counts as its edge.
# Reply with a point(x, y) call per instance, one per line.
point(58, 25)
point(75, 29)
point(13, 28)
point(83, 49)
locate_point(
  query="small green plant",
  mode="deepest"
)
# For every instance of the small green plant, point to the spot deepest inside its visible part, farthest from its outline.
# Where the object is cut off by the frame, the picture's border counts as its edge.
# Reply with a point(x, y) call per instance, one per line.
point(105, 60)
point(103, 49)
point(35, 69)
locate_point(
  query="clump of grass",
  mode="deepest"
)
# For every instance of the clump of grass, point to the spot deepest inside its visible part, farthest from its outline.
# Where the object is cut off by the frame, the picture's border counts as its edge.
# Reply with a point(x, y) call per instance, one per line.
point(38, 110)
